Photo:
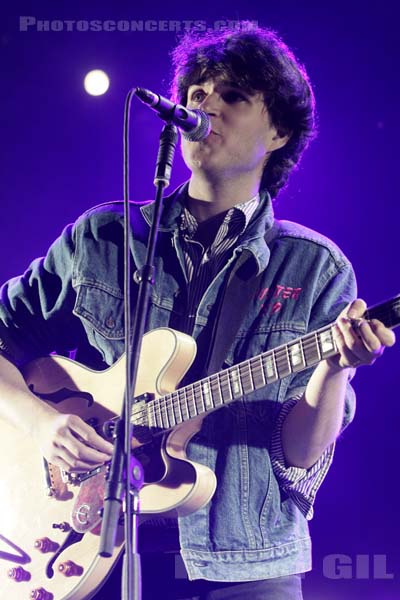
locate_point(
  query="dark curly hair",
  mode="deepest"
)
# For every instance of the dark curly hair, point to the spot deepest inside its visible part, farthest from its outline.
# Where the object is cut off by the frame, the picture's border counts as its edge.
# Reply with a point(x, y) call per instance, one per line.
point(257, 60)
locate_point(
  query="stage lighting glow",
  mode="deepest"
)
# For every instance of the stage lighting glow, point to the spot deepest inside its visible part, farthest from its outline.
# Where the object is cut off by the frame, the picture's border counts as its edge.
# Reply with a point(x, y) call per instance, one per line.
point(96, 82)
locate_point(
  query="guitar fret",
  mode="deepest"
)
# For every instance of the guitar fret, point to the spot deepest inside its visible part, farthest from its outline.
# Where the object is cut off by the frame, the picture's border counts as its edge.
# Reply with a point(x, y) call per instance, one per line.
point(170, 410)
point(257, 373)
point(269, 364)
point(157, 413)
point(207, 395)
point(303, 356)
point(282, 362)
point(152, 414)
point(327, 343)
point(246, 378)
point(201, 398)
point(226, 387)
point(187, 393)
point(216, 390)
point(311, 350)
point(177, 407)
point(198, 401)
point(296, 356)
point(235, 383)
point(317, 340)
point(287, 356)
point(164, 412)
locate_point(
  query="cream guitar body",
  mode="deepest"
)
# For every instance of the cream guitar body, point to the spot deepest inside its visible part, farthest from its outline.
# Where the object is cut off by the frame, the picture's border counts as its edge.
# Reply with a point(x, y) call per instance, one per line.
point(35, 496)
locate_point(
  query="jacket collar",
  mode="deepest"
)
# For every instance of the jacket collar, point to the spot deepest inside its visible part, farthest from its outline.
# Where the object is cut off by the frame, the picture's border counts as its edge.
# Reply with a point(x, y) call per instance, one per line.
point(173, 206)
point(253, 237)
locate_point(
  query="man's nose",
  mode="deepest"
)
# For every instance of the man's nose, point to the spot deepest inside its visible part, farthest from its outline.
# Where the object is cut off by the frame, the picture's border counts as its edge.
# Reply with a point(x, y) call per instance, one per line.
point(211, 104)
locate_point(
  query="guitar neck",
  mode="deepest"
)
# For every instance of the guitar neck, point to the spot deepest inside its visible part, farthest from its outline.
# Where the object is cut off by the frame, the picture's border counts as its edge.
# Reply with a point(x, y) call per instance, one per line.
point(224, 387)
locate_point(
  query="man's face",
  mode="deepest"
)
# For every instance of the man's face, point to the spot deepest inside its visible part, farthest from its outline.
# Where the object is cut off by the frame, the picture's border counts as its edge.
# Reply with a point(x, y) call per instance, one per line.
point(241, 131)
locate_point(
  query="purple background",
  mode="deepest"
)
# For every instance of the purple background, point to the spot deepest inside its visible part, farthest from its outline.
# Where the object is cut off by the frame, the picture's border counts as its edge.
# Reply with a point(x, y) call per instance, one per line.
point(61, 152)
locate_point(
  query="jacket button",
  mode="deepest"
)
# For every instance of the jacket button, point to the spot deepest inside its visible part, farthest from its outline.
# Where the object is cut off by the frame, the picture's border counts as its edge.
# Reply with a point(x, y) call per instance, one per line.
point(110, 323)
point(200, 563)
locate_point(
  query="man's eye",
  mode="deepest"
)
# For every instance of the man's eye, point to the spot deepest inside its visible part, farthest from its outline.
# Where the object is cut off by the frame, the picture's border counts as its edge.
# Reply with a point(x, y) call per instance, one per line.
point(197, 96)
point(233, 96)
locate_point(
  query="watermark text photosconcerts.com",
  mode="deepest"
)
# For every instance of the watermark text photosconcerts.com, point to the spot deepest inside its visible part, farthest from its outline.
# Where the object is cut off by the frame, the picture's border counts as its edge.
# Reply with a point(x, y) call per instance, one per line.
point(29, 23)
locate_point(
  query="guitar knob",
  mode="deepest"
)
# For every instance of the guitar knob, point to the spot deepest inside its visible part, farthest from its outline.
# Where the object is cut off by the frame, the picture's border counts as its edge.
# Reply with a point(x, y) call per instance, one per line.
point(69, 568)
point(41, 594)
point(46, 545)
point(18, 574)
point(109, 429)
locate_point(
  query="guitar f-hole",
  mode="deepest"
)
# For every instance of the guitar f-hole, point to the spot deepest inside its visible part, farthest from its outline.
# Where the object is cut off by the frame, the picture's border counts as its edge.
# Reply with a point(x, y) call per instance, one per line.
point(72, 538)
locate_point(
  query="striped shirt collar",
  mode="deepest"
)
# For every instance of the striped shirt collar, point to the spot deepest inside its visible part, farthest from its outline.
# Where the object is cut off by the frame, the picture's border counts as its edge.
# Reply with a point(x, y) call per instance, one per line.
point(245, 209)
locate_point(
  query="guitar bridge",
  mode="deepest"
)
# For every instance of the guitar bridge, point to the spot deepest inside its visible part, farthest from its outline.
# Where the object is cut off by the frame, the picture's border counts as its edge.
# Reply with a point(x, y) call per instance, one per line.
point(78, 478)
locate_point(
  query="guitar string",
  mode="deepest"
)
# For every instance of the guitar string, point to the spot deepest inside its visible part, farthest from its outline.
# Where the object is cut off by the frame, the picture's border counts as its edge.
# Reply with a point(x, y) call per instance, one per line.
point(244, 364)
point(224, 388)
point(168, 403)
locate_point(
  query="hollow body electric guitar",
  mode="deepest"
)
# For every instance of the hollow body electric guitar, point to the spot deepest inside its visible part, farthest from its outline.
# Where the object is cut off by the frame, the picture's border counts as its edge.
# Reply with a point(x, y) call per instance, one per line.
point(50, 521)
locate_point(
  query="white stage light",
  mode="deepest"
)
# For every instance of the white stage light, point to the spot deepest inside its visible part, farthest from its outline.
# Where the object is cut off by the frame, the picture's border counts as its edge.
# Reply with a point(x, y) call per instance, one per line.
point(96, 82)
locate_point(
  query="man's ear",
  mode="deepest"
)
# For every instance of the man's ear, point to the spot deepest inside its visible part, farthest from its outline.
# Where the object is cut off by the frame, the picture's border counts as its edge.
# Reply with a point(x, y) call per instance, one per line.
point(278, 141)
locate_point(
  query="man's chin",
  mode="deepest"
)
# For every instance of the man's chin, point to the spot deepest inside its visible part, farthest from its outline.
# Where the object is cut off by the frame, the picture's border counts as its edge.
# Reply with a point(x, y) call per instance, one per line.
point(202, 163)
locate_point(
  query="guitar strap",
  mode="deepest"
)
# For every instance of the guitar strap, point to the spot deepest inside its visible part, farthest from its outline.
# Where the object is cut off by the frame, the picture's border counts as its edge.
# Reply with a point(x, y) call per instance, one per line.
point(239, 290)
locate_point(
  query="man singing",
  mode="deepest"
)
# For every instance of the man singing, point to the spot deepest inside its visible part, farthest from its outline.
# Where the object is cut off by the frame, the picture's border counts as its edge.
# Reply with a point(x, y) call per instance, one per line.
point(271, 448)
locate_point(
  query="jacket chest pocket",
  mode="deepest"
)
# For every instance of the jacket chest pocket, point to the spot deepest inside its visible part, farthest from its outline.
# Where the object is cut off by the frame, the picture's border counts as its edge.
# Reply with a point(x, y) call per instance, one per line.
point(101, 312)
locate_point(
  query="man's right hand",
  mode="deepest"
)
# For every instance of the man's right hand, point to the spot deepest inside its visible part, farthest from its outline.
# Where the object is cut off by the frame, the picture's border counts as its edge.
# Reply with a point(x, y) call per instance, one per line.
point(71, 444)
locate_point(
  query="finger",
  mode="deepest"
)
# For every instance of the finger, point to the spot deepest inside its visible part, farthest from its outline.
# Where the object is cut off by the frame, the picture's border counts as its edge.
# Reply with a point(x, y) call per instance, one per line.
point(62, 458)
point(347, 357)
point(81, 452)
point(351, 337)
point(369, 339)
point(87, 434)
point(386, 336)
point(356, 309)
point(58, 461)
point(375, 336)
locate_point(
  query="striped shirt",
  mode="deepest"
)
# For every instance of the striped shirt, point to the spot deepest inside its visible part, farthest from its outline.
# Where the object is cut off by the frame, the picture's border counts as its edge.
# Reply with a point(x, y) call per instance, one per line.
point(207, 246)
point(206, 253)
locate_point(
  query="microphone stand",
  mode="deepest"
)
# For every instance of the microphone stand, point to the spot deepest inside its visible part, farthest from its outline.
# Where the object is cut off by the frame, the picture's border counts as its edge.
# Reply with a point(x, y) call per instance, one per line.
point(126, 473)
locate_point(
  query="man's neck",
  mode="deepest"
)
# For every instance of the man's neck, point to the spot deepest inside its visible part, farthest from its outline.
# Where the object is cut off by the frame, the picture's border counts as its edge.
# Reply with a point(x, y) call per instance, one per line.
point(209, 198)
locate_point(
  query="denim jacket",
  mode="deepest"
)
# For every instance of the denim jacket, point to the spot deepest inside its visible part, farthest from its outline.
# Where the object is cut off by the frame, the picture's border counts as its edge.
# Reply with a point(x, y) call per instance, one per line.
point(73, 298)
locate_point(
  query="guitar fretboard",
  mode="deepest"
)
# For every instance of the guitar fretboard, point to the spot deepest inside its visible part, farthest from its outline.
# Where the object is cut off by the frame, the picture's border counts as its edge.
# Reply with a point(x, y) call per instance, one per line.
point(231, 384)
point(253, 374)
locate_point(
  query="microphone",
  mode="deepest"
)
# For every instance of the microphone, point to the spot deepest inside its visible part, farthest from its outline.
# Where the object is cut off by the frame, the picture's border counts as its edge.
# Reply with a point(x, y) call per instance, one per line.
point(195, 124)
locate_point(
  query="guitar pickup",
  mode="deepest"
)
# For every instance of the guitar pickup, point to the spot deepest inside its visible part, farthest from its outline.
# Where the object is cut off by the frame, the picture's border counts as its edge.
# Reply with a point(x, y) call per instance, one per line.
point(110, 426)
